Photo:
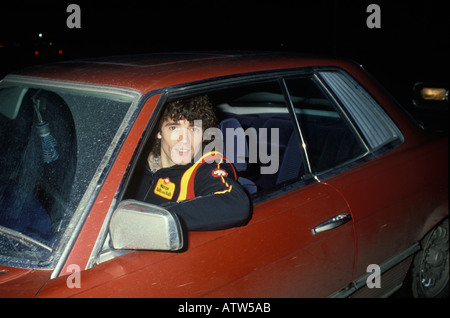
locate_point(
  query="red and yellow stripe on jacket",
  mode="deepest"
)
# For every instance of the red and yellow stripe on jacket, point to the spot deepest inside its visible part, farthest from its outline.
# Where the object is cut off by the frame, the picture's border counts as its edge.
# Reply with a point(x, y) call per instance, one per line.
point(188, 178)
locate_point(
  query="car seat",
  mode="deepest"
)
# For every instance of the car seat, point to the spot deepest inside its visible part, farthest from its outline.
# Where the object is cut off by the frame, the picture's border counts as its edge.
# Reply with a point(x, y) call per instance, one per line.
point(240, 155)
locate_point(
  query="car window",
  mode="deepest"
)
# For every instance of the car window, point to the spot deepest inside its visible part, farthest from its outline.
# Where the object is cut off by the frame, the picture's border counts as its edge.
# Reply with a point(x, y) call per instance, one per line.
point(258, 136)
point(52, 142)
point(328, 137)
point(373, 122)
point(272, 155)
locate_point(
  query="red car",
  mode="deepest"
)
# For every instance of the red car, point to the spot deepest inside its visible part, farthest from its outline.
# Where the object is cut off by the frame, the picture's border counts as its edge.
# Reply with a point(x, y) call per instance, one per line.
point(348, 195)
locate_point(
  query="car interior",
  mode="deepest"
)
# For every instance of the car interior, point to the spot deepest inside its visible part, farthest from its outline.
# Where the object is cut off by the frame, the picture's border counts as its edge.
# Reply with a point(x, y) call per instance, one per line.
point(38, 164)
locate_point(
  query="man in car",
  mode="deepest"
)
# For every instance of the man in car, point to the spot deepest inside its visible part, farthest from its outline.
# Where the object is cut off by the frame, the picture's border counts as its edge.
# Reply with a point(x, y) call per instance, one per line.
point(203, 192)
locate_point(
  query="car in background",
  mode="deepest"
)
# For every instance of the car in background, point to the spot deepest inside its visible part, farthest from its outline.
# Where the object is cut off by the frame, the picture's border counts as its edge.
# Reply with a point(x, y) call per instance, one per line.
point(349, 196)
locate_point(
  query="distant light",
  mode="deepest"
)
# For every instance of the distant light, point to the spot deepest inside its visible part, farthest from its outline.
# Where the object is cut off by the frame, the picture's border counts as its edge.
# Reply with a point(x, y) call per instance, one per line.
point(60, 52)
point(40, 35)
point(36, 52)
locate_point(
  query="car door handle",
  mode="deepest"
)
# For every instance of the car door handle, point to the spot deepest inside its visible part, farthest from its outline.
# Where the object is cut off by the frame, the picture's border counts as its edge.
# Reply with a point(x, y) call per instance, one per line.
point(332, 223)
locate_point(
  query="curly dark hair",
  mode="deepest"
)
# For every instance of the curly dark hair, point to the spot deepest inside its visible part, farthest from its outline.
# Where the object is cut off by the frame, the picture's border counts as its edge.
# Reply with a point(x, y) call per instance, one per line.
point(190, 109)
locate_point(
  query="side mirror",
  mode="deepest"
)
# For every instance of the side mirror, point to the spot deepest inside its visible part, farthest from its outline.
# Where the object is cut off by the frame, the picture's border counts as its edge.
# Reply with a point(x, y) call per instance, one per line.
point(431, 96)
point(141, 226)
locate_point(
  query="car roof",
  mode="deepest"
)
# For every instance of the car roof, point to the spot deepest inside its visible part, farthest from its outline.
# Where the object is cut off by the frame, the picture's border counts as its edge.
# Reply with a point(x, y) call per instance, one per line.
point(146, 72)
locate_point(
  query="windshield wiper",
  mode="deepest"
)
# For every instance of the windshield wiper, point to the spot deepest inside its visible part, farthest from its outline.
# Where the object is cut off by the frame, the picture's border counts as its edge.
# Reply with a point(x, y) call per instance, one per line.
point(23, 238)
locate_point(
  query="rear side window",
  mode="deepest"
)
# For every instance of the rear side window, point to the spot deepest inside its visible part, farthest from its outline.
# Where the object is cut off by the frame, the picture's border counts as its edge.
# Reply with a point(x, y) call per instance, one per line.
point(328, 138)
point(374, 124)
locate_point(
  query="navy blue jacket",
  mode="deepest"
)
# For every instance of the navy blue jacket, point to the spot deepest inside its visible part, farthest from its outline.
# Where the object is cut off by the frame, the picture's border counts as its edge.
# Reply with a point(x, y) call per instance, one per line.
point(205, 194)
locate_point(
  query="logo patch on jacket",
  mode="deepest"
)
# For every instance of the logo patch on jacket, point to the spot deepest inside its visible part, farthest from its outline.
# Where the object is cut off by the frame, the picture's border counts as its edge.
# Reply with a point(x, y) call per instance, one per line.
point(165, 188)
point(217, 173)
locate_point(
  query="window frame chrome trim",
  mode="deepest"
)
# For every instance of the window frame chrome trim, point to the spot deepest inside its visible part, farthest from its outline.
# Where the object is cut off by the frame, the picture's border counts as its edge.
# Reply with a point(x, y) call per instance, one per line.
point(299, 133)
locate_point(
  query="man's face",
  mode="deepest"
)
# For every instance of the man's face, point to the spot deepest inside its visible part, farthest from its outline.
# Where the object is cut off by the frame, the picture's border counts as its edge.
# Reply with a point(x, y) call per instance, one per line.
point(180, 141)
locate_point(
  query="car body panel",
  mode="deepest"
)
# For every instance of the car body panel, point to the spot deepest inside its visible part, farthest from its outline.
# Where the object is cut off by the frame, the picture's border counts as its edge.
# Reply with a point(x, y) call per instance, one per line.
point(382, 193)
point(246, 257)
point(18, 282)
point(144, 74)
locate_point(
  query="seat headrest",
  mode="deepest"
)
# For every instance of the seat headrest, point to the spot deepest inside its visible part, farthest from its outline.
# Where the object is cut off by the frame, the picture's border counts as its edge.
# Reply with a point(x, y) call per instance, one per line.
point(235, 149)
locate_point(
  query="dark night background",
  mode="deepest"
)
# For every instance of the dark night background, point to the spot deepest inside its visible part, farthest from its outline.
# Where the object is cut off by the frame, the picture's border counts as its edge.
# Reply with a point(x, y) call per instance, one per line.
point(411, 45)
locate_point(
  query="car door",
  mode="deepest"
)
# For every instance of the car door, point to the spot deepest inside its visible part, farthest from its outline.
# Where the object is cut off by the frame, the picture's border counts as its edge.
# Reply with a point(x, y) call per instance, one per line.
point(299, 241)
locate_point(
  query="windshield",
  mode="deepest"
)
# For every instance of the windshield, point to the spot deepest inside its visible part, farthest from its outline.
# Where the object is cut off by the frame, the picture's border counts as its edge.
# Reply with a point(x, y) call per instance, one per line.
point(53, 139)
